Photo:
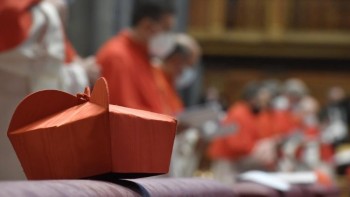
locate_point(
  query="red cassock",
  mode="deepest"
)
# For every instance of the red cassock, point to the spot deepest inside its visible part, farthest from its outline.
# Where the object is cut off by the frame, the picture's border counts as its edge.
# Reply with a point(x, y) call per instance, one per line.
point(242, 141)
point(171, 101)
point(16, 23)
point(126, 66)
point(15, 20)
point(284, 122)
point(251, 128)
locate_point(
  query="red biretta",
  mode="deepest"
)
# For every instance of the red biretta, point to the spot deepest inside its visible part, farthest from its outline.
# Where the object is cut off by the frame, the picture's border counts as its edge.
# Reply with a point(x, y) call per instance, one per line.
point(59, 136)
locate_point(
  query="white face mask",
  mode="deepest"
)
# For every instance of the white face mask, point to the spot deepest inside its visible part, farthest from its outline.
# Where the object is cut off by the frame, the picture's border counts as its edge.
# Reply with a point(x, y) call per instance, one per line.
point(186, 78)
point(162, 44)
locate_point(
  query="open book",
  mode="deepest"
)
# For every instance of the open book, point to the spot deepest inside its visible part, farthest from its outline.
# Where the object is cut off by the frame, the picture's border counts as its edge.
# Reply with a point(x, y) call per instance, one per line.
point(207, 119)
point(279, 180)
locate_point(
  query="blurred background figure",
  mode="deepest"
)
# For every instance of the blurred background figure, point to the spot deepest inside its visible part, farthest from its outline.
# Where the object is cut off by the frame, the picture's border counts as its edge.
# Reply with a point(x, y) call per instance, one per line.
point(35, 54)
point(334, 116)
point(252, 116)
point(295, 91)
point(190, 72)
point(178, 57)
point(182, 55)
point(125, 59)
point(304, 107)
point(250, 109)
point(334, 119)
point(212, 98)
point(165, 76)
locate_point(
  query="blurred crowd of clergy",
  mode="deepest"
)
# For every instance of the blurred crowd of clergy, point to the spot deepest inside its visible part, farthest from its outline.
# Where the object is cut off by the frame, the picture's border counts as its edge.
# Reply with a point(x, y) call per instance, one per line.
point(278, 126)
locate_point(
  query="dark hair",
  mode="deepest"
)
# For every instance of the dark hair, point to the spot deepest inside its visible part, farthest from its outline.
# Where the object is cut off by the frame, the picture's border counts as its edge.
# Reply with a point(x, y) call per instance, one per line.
point(150, 9)
point(178, 50)
point(251, 90)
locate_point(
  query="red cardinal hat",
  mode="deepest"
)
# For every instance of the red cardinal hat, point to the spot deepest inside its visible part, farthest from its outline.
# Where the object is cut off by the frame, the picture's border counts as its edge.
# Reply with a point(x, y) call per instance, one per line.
point(60, 136)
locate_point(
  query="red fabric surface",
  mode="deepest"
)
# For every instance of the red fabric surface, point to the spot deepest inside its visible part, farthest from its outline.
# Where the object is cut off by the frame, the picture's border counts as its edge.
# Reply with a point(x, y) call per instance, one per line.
point(151, 187)
point(184, 187)
point(64, 188)
point(320, 190)
point(248, 189)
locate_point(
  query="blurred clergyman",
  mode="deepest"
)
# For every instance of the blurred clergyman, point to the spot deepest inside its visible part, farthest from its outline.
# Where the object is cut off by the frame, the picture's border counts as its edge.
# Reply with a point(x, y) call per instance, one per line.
point(125, 59)
point(165, 75)
point(181, 55)
point(35, 54)
point(252, 146)
point(254, 120)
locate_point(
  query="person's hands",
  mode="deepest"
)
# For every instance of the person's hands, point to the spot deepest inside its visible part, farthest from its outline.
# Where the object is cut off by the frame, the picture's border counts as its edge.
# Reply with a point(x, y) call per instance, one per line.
point(265, 151)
